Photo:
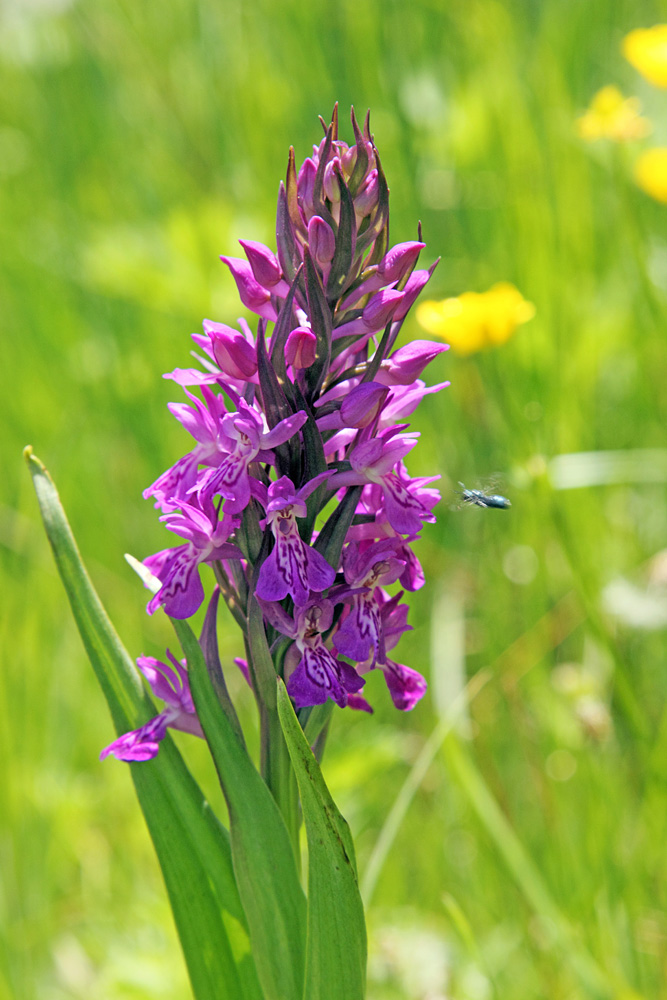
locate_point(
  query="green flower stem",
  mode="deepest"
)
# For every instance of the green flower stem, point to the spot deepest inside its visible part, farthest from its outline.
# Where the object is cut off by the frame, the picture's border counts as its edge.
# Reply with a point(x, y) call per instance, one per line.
point(277, 771)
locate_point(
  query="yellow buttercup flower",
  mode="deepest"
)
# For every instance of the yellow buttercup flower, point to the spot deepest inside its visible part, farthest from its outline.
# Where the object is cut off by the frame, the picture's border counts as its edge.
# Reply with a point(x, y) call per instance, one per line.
point(612, 116)
point(475, 320)
point(651, 173)
point(646, 49)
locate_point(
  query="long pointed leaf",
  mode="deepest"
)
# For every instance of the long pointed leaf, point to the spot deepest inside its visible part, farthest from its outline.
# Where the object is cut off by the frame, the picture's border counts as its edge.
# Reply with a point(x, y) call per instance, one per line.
point(264, 862)
point(336, 945)
point(192, 847)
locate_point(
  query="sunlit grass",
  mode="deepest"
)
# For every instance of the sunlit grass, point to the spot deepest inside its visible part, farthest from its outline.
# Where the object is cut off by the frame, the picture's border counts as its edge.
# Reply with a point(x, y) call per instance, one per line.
point(138, 142)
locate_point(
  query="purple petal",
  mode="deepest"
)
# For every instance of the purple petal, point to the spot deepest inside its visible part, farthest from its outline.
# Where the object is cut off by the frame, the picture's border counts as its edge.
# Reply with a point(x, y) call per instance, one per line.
point(318, 677)
point(360, 631)
point(406, 686)
point(182, 592)
point(320, 574)
point(284, 430)
point(404, 511)
point(285, 571)
point(139, 744)
point(263, 261)
point(251, 293)
point(358, 703)
point(243, 667)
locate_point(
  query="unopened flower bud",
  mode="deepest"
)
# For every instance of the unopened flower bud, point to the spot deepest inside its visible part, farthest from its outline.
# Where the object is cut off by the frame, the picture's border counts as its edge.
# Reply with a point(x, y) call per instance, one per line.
point(236, 357)
point(305, 184)
point(251, 293)
point(407, 363)
point(300, 348)
point(263, 262)
point(366, 199)
point(331, 183)
point(348, 159)
point(398, 261)
point(321, 240)
point(363, 404)
point(382, 308)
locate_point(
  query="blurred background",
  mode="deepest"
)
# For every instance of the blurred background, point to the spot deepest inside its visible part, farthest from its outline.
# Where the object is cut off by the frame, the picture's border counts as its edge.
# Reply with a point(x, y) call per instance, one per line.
point(511, 829)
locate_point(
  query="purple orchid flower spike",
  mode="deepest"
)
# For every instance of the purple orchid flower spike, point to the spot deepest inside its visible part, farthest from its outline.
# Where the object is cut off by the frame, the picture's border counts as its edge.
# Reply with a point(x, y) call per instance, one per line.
point(182, 592)
point(171, 685)
point(293, 567)
point(320, 370)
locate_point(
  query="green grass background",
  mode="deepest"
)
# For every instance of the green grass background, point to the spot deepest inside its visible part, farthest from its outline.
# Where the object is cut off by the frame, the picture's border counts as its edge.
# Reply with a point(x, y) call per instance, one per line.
point(139, 141)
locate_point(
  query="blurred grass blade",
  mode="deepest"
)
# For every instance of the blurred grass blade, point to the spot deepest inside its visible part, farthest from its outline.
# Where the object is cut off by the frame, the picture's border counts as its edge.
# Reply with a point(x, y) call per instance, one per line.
point(603, 468)
point(392, 824)
point(597, 981)
point(336, 949)
point(192, 847)
point(262, 853)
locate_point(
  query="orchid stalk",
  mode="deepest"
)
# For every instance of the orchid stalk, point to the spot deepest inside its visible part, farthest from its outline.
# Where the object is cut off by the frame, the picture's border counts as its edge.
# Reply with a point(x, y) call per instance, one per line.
point(297, 495)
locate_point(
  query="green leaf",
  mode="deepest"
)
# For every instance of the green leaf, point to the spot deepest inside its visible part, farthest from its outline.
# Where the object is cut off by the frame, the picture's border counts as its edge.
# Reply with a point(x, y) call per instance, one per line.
point(321, 323)
point(341, 264)
point(336, 943)
point(361, 164)
point(288, 255)
point(192, 846)
point(264, 862)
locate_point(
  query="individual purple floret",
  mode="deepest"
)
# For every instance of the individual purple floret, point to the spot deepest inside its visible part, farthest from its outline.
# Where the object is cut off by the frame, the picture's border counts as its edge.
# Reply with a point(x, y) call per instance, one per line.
point(368, 567)
point(171, 685)
point(293, 567)
point(182, 592)
point(315, 672)
point(246, 440)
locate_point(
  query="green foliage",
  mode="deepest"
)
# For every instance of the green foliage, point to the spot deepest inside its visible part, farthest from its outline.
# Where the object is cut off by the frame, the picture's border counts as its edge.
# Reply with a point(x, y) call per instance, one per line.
point(336, 942)
point(264, 863)
point(192, 848)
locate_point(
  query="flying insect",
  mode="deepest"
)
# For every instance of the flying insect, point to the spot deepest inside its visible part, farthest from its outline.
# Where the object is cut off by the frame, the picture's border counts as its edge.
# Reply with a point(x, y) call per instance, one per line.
point(480, 499)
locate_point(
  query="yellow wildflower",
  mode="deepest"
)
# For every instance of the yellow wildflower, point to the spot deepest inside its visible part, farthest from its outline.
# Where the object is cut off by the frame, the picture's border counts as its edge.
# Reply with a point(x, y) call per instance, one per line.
point(651, 173)
point(612, 116)
point(646, 50)
point(475, 320)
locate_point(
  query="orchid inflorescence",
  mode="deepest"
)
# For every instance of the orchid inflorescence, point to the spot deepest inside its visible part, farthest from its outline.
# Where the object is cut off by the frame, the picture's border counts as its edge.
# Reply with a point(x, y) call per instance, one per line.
point(296, 491)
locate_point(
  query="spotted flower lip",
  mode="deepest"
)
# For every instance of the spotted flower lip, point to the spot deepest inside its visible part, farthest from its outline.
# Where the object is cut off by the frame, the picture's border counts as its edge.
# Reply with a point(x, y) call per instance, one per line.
point(316, 674)
point(373, 462)
point(292, 567)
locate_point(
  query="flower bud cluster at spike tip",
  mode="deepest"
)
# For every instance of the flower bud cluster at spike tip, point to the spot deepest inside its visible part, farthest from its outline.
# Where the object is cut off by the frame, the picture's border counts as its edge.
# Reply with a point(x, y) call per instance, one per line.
point(306, 408)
